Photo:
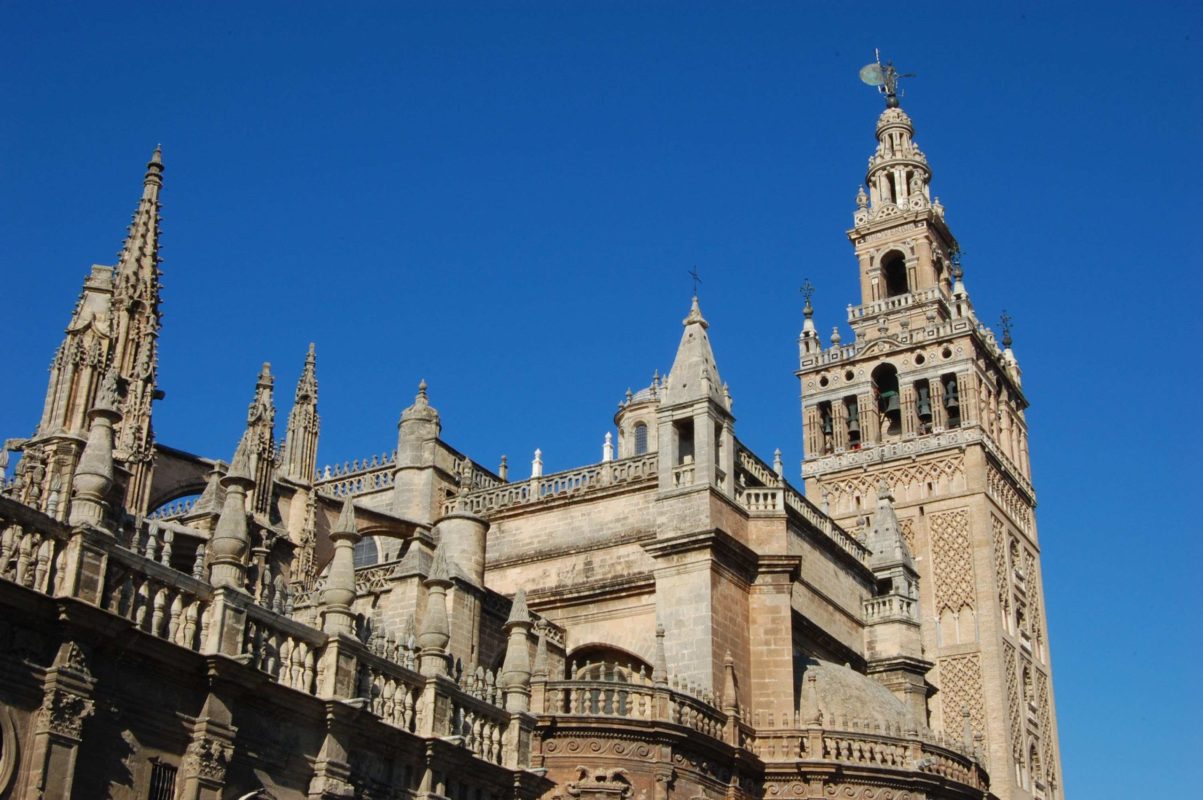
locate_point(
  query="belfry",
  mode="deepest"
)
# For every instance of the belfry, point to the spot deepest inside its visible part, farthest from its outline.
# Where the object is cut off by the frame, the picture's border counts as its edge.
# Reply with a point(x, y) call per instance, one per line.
point(928, 403)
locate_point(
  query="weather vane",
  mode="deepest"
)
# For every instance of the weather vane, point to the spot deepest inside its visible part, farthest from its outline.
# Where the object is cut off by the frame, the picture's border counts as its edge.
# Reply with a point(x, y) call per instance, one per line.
point(1004, 322)
point(958, 269)
point(693, 273)
point(884, 77)
point(807, 291)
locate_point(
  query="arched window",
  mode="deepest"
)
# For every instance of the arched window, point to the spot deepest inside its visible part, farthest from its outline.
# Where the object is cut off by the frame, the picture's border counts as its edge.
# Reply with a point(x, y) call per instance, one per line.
point(893, 267)
point(366, 553)
point(640, 438)
point(885, 385)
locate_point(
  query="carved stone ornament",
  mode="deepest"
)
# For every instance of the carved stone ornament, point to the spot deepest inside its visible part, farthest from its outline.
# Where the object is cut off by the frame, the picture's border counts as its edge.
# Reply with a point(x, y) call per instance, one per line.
point(63, 713)
point(208, 757)
point(600, 783)
point(71, 658)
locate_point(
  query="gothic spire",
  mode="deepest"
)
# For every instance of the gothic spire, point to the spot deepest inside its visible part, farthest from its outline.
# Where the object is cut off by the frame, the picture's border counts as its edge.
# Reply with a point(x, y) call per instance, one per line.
point(300, 440)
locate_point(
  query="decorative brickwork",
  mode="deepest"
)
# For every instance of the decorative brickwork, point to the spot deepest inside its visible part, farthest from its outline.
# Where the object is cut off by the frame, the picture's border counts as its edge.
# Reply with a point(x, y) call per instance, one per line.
point(1002, 580)
point(1013, 710)
point(1008, 499)
point(907, 527)
point(952, 560)
point(1048, 757)
point(961, 687)
point(935, 471)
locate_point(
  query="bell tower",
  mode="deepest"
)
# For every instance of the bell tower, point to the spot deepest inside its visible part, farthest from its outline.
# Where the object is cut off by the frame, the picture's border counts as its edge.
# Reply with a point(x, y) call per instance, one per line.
point(926, 403)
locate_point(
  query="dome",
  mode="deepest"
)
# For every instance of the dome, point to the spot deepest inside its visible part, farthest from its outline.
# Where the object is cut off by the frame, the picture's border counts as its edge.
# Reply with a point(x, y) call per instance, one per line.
point(850, 699)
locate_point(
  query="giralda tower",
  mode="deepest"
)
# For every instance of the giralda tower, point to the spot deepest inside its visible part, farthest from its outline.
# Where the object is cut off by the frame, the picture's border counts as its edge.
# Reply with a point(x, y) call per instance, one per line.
point(928, 404)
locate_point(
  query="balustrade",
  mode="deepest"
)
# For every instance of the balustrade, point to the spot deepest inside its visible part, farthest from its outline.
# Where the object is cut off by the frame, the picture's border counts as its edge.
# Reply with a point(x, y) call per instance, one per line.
point(31, 558)
point(890, 605)
point(479, 725)
point(157, 600)
point(284, 649)
point(558, 485)
point(392, 691)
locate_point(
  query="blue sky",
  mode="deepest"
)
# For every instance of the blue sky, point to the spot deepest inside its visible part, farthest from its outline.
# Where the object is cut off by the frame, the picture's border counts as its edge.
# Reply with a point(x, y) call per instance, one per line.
point(505, 200)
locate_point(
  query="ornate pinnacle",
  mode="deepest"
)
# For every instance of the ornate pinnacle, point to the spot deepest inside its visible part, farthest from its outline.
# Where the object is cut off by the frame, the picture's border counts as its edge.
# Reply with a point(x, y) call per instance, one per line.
point(807, 291)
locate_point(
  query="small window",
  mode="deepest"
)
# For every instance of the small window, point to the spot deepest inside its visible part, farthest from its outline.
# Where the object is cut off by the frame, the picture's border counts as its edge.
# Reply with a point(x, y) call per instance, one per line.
point(640, 438)
point(366, 553)
point(162, 782)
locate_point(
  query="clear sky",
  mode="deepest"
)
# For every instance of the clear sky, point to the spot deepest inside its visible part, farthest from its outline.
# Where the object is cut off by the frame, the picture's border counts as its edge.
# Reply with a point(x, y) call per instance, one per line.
point(505, 200)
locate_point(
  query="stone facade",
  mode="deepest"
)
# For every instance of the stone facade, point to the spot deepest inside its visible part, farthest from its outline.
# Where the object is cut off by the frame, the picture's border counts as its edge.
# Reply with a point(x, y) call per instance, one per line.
point(674, 621)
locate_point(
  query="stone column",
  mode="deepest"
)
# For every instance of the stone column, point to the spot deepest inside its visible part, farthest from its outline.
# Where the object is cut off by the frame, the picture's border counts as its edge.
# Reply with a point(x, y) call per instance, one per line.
point(58, 726)
point(203, 776)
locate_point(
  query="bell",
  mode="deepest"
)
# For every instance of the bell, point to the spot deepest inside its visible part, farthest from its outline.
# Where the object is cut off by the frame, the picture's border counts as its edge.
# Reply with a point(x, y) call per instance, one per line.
point(888, 401)
point(827, 423)
point(924, 403)
point(853, 420)
point(950, 393)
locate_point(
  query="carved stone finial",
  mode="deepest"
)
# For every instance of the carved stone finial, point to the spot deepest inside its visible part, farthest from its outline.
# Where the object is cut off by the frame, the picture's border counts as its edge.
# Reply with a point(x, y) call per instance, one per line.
point(660, 664)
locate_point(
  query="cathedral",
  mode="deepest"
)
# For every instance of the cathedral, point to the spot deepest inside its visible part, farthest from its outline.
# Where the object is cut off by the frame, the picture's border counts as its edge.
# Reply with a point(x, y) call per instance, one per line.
point(677, 621)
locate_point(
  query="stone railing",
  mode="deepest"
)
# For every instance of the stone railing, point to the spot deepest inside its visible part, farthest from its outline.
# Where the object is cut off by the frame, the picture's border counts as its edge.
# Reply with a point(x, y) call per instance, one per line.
point(130, 576)
point(392, 691)
point(283, 648)
point(825, 524)
point(176, 508)
point(889, 606)
point(894, 303)
point(896, 750)
point(750, 463)
point(632, 696)
point(363, 482)
point(570, 483)
point(480, 724)
point(768, 500)
point(29, 556)
point(157, 599)
point(357, 477)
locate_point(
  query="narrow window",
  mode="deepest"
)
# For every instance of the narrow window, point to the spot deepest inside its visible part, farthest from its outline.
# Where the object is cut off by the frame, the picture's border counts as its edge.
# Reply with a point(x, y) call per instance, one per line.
point(850, 403)
point(640, 438)
point(162, 782)
point(828, 428)
point(952, 400)
point(923, 406)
